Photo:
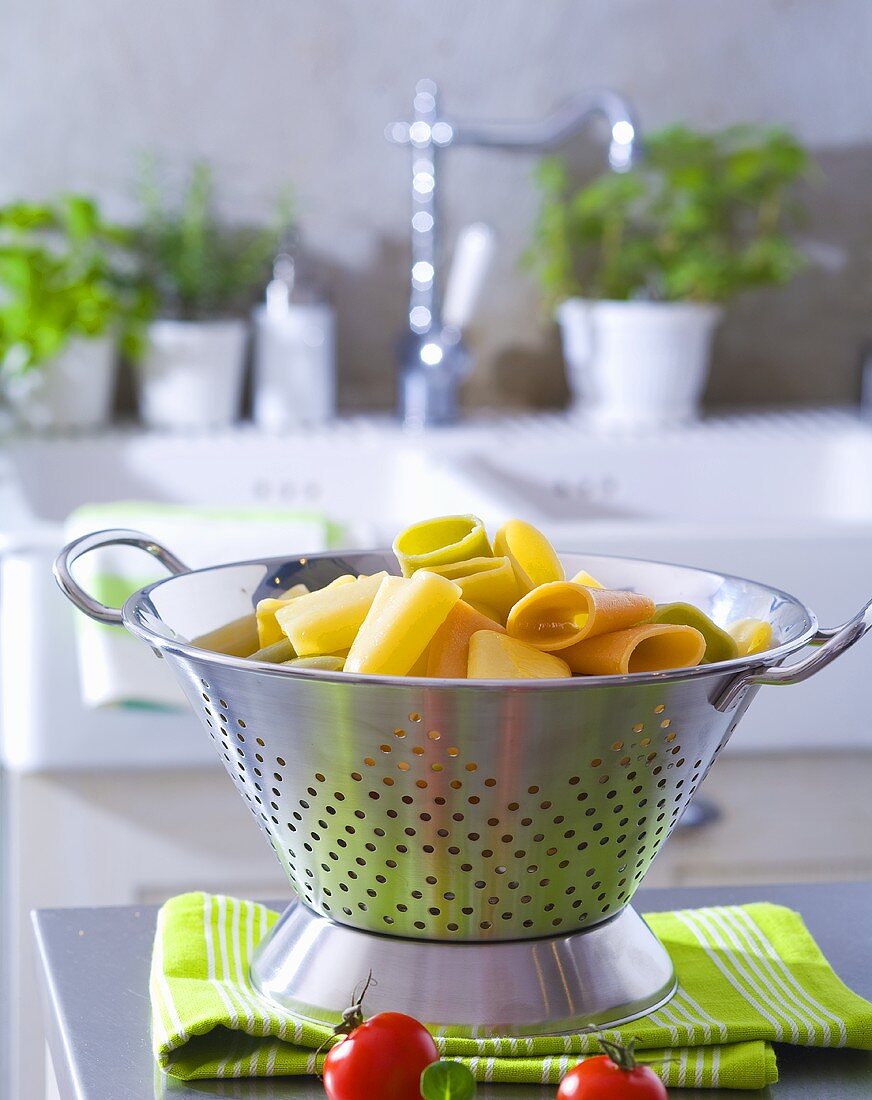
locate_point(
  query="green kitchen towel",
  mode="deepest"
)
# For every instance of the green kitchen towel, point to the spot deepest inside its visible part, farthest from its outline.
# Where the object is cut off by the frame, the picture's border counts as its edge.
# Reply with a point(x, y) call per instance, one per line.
point(115, 669)
point(748, 976)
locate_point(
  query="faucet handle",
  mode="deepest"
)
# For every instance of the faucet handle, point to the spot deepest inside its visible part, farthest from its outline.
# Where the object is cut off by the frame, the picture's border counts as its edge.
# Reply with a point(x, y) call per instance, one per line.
point(472, 256)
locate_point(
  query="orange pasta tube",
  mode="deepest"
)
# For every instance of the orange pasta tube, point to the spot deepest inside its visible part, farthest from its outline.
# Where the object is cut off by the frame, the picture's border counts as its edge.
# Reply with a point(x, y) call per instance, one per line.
point(441, 541)
point(449, 651)
point(494, 656)
point(556, 615)
point(487, 584)
point(533, 558)
point(646, 648)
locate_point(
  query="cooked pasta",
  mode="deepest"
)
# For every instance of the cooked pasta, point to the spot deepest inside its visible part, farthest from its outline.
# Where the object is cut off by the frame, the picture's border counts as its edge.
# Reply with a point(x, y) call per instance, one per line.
point(560, 613)
point(494, 656)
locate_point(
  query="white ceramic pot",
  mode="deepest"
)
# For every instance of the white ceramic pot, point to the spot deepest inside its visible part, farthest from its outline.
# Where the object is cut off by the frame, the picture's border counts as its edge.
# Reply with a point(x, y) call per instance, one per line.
point(191, 373)
point(637, 364)
point(72, 391)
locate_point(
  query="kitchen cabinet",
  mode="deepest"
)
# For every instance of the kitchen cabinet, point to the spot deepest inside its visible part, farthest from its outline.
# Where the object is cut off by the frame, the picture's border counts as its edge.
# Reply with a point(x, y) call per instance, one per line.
point(113, 838)
point(140, 836)
point(782, 817)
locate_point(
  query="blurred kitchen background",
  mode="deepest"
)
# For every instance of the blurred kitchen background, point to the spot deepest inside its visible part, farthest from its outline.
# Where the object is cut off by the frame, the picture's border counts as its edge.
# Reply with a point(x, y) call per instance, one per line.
point(269, 169)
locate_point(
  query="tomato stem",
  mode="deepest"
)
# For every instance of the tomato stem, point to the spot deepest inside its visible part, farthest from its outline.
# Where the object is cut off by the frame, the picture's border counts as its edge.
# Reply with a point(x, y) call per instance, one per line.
point(623, 1055)
point(352, 1017)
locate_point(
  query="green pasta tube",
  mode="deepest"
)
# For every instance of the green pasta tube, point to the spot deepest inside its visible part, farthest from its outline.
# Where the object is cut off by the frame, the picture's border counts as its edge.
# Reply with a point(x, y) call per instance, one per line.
point(441, 541)
point(276, 654)
point(488, 584)
point(719, 646)
point(325, 663)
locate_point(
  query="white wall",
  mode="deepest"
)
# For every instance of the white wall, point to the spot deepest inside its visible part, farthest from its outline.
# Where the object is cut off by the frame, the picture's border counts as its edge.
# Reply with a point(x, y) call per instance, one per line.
point(302, 89)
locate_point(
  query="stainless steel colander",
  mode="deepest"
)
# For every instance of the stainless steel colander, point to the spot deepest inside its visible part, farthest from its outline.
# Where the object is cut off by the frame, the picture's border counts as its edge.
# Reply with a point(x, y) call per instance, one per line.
point(521, 816)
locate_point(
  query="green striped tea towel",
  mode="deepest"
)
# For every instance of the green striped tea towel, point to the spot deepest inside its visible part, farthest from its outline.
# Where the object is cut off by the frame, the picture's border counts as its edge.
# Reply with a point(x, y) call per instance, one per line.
point(748, 976)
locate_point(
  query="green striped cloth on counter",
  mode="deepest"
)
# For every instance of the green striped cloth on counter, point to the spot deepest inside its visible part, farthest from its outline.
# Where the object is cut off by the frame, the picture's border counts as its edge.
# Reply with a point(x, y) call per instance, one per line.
point(749, 976)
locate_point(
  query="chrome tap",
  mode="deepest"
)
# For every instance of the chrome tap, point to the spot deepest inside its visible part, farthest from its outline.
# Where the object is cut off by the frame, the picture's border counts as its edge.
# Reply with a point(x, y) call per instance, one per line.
point(433, 358)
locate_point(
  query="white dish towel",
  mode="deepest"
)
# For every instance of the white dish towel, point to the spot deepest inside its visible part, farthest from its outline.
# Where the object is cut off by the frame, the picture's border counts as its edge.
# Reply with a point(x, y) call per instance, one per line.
point(114, 667)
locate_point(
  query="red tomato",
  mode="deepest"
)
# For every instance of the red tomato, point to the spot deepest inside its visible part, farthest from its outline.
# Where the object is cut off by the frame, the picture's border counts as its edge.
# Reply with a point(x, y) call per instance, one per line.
point(383, 1058)
point(601, 1078)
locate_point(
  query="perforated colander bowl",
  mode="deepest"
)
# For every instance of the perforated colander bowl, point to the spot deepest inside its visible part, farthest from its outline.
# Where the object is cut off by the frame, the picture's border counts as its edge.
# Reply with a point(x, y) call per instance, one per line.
point(461, 811)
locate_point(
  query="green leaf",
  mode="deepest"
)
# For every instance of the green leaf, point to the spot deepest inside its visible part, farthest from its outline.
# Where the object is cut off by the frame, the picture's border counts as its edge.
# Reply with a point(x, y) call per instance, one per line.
point(447, 1081)
point(701, 217)
point(64, 272)
point(196, 265)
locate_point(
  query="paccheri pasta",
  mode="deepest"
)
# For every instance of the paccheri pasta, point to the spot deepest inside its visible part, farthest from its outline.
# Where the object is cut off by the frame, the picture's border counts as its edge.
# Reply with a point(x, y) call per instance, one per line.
point(466, 608)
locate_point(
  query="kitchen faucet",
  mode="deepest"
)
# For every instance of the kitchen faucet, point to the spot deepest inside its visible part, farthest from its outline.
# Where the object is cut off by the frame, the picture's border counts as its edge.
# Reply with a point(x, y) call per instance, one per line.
point(433, 360)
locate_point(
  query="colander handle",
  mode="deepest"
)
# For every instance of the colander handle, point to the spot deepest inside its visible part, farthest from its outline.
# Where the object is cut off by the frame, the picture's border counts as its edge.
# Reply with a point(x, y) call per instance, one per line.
point(97, 539)
point(831, 644)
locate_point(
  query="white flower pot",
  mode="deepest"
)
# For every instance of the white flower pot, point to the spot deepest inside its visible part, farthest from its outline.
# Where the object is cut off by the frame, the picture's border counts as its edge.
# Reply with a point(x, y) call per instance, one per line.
point(72, 391)
point(637, 364)
point(191, 373)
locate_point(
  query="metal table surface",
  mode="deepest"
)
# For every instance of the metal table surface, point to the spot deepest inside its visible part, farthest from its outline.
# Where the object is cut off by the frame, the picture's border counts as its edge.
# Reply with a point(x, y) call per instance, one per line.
point(93, 971)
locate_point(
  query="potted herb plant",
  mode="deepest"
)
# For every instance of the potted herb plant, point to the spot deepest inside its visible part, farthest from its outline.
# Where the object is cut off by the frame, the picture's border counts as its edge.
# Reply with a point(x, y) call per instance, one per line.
point(205, 276)
point(640, 264)
point(67, 297)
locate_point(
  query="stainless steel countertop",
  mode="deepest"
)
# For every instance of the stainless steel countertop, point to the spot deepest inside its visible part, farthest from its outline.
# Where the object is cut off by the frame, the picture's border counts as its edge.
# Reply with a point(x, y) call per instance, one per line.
point(93, 972)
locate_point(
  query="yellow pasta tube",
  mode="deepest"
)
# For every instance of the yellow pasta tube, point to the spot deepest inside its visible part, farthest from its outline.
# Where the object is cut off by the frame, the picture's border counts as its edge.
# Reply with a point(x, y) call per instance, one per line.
point(751, 636)
point(327, 621)
point(400, 624)
point(268, 630)
point(561, 613)
point(495, 656)
point(488, 584)
point(449, 651)
point(236, 639)
point(646, 648)
point(583, 577)
point(441, 541)
point(533, 558)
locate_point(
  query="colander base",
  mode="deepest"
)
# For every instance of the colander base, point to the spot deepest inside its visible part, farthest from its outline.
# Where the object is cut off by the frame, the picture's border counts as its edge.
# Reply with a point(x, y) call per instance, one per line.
point(600, 977)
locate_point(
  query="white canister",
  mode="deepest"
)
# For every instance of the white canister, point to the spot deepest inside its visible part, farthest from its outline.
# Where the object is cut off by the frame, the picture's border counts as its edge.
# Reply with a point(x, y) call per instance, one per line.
point(637, 364)
point(72, 391)
point(294, 378)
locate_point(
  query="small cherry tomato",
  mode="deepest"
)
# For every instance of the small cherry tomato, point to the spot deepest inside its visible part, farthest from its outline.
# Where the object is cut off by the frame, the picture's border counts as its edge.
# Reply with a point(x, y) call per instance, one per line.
point(612, 1076)
point(383, 1058)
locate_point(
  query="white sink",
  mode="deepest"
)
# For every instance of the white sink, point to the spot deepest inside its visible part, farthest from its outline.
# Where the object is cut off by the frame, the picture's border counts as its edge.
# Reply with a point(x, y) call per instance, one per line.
point(785, 499)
